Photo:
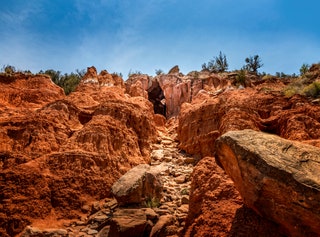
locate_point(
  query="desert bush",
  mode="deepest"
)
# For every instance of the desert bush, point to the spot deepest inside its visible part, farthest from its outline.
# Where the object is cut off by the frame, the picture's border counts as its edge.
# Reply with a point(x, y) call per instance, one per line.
point(302, 87)
point(268, 76)
point(312, 90)
point(134, 73)
point(159, 72)
point(304, 69)
point(118, 74)
point(253, 63)
point(218, 64)
point(67, 81)
point(9, 69)
point(152, 202)
point(241, 77)
point(291, 91)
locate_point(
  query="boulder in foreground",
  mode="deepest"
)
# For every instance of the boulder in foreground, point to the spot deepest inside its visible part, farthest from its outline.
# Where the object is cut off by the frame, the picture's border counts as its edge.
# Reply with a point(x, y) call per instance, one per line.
point(277, 178)
point(140, 184)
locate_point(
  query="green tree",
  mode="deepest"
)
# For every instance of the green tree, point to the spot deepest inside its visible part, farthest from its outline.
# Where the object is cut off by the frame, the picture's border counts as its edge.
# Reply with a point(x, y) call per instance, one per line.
point(304, 69)
point(159, 72)
point(8, 69)
point(218, 64)
point(253, 63)
point(55, 75)
point(67, 81)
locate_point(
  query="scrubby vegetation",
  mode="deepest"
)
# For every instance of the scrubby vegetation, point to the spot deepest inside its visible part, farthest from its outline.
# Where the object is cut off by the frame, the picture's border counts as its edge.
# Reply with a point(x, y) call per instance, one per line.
point(218, 64)
point(67, 81)
point(308, 84)
point(253, 63)
point(241, 77)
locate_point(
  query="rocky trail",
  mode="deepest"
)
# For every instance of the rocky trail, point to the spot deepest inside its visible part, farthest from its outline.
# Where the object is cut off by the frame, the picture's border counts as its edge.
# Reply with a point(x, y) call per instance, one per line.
point(165, 217)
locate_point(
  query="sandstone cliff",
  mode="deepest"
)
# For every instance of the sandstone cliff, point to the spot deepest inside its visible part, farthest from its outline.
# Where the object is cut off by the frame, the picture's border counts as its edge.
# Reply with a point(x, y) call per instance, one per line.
point(60, 153)
point(261, 106)
point(169, 91)
point(276, 177)
point(208, 117)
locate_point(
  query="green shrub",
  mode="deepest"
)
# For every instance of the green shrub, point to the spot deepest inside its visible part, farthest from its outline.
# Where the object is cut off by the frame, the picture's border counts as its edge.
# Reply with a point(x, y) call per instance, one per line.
point(253, 63)
point(304, 69)
point(184, 191)
point(218, 64)
point(159, 72)
point(152, 202)
point(241, 77)
point(290, 91)
point(268, 76)
point(299, 87)
point(312, 90)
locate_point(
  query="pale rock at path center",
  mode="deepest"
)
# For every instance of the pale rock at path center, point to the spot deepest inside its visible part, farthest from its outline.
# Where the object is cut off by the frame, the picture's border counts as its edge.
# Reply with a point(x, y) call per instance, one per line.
point(140, 184)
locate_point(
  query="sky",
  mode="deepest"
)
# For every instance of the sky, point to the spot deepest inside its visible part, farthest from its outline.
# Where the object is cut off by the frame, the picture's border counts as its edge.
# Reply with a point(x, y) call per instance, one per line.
point(146, 35)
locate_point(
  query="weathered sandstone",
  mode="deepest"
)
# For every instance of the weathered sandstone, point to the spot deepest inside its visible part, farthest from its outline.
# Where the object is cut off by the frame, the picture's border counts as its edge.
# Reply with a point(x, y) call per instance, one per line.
point(277, 178)
point(216, 208)
point(27, 91)
point(61, 153)
point(209, 116)
point(140, 184)
point(168, 92)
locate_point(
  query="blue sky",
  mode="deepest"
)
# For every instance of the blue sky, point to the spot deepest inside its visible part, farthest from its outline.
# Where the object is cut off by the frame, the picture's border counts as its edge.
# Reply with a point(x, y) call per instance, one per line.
point(144, 35)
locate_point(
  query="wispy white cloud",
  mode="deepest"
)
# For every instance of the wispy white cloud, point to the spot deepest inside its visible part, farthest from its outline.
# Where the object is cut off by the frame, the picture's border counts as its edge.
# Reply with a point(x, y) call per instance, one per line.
point(146, 35)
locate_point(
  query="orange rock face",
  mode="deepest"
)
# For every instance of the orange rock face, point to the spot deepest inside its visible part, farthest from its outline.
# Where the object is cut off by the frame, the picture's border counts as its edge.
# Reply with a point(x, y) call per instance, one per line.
point(168, 92)
point(216, 207)
point(205, 119)
point(276, 177)
point(27, 91)
point(61, 153)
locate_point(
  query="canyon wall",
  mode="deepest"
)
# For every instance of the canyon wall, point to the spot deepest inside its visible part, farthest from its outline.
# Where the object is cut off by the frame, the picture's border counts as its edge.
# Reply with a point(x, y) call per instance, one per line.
point(60, 153)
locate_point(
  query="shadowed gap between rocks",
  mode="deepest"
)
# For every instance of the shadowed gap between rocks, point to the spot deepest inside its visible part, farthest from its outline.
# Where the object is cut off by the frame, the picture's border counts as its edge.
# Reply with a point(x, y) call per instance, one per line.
point(84, 117)
point(156, 97)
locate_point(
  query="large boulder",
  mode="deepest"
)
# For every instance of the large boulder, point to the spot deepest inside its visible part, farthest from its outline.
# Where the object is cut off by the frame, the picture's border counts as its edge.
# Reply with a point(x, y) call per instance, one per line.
point(277, 178)
point(139, 185)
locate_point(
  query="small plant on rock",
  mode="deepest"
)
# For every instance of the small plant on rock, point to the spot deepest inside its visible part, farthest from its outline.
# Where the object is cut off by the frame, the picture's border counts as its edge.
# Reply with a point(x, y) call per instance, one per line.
point(312, 90)
point(184, 191)
point(152, 202)
point(241, 77)
point(159, 72)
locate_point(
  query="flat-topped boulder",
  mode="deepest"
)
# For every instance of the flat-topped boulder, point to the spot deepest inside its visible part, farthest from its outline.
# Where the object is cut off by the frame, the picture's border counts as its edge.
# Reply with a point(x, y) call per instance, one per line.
point(277, 178)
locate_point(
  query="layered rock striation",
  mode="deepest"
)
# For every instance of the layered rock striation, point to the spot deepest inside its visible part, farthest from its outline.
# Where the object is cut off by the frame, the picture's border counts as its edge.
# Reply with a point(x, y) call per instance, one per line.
point(277, 178)
point(209, 116)
point(168, 92)
point(63, 152)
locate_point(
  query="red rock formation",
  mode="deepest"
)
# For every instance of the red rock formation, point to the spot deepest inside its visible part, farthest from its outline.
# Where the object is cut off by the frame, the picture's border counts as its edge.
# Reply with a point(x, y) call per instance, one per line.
point(173, 89)
point(205, 119)
point(68, 152)
point(276, 177)
point(216, 207)
point(27, 91)
point(208, 116)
